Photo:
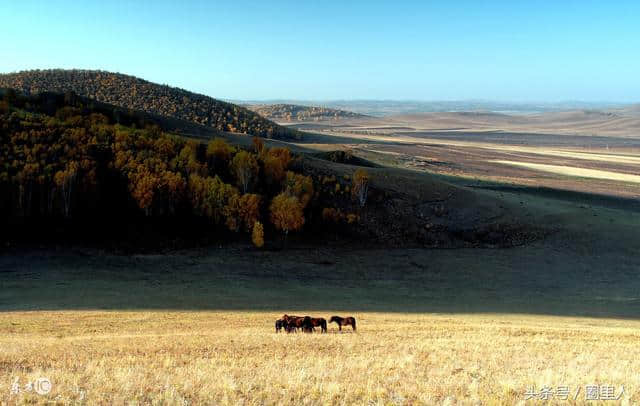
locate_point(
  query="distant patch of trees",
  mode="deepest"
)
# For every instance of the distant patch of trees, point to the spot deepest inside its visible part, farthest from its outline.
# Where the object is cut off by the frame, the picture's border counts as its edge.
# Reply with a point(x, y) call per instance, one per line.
point(293, 112)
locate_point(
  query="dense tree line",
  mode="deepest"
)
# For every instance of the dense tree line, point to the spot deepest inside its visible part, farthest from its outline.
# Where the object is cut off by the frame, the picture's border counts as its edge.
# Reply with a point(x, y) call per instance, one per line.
point(60, 158)
point(294, 112)
point(137, 94)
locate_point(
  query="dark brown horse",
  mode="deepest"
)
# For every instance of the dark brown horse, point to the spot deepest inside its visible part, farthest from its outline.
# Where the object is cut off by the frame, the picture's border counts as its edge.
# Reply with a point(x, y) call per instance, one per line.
point(287, 318)
point(288, 323)
point(343, 321)
point(280, 324)
point(292, 323)
point(296, 322)
point(307, 325)
point(319, 322)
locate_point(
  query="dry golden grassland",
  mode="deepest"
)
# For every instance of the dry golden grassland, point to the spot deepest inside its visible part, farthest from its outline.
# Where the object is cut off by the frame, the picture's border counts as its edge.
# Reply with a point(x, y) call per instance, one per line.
point(96, 357)
point(574, 171)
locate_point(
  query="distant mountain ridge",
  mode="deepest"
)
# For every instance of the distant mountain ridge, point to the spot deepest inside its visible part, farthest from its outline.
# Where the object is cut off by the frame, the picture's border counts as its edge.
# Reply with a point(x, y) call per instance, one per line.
point(134, 93)
point(385, 108)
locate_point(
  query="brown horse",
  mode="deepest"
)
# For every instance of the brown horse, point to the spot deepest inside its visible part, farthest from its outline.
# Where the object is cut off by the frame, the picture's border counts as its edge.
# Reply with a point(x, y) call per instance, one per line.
point(343, 321)
point(287, 318)
point(307, 325)
point(292, 323)
point(280, 324)
point(319, 322)
point(296, 322)
point(288, 323)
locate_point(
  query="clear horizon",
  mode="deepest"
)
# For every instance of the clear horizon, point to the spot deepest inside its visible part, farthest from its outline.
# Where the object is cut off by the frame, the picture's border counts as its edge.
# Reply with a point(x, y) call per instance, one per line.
point(495, 52)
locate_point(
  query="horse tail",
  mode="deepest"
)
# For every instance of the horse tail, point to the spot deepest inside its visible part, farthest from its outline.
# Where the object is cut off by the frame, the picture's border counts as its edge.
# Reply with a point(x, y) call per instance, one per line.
point(354, 324)
point(324, 325)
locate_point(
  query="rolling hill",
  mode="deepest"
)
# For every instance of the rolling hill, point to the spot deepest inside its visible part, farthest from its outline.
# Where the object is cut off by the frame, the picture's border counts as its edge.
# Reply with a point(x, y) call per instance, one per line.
point(620, 123)
point(138, 94)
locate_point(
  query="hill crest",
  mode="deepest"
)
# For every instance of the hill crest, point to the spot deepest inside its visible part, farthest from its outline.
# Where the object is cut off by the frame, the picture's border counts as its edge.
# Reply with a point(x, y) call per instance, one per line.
point(138, 94)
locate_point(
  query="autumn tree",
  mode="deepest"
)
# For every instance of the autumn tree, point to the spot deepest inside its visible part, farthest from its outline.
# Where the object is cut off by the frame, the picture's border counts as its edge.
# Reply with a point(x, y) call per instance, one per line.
point(217, 197)
point(196, 189)
point(231, 212)
point(174, 186)
point(249, 209)
point(245, 168)
point(143, 185)
point(242, 211)
point(219, 154)
point(275, 161)
point(360, 187)
point(331, 215)
point(257, 236)
point(286, 213)
point(299, 186)
point(258, 145)
point(187, 159)
point(165, 147)
point(66, 180)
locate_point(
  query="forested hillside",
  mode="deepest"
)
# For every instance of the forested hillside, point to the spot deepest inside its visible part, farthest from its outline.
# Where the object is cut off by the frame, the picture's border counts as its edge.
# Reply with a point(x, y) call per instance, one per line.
point(65, 159)
point(137, 94)
point(294, 112)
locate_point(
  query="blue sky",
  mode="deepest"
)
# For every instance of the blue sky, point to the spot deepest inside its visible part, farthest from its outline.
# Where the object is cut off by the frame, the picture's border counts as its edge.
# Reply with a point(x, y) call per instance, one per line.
point(319, 50)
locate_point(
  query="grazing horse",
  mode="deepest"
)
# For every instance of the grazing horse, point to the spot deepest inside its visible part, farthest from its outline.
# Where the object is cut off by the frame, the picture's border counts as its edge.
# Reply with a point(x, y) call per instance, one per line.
point(319, 322)
point(307, 325)
point(280, 324)
point(346, 321)
point(291, 323)
point(297, 322)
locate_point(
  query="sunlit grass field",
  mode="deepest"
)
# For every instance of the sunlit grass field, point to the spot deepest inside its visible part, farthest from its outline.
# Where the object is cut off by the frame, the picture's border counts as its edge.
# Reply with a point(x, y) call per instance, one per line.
point(207, 357)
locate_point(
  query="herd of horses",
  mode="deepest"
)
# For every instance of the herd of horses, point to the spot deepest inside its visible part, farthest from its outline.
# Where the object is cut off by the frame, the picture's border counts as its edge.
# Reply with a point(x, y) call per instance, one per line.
point(307, 324)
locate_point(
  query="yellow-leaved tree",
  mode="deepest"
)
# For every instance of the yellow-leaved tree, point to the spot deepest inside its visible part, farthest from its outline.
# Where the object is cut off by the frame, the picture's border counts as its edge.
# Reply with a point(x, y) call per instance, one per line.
point(360, 187)
point(257, 236)
point(66, 180)
point(275, 161)
point(299, 186)
point(286, 213)
point(219, 154)
point(245, 168)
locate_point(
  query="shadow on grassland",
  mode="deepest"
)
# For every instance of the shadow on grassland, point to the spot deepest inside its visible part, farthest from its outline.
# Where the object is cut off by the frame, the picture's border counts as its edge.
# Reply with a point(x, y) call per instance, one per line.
point(537, 279)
